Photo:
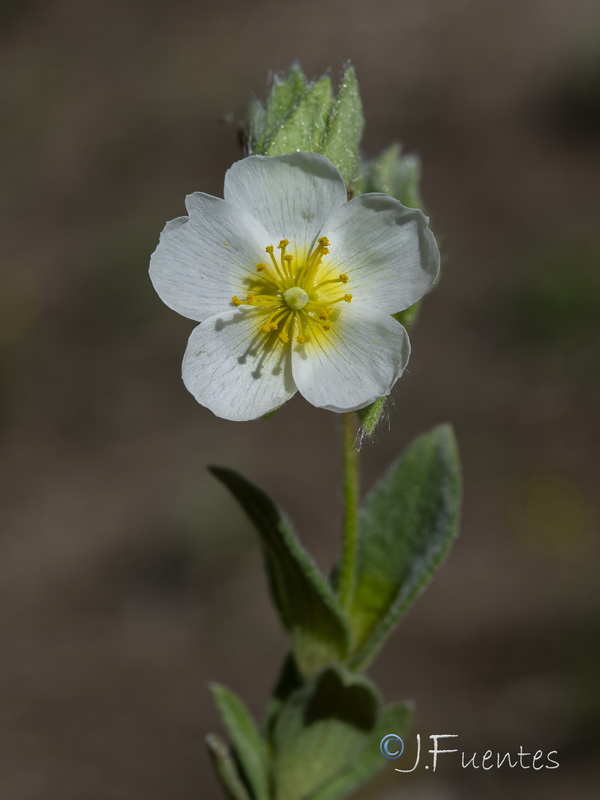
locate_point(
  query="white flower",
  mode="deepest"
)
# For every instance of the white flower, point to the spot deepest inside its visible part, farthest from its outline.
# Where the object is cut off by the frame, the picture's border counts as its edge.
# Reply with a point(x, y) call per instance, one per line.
point(294, 287)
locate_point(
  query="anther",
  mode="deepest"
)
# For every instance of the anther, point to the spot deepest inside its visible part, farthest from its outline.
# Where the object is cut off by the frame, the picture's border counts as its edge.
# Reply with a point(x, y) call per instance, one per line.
point(344, 278)
point(283, 243)
point(348, 298)
point(260, 267)
point(236, 300)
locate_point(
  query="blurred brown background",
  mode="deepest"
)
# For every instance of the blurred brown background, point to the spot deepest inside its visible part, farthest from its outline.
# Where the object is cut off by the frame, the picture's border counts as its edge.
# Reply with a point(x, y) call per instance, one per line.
point(127, 579)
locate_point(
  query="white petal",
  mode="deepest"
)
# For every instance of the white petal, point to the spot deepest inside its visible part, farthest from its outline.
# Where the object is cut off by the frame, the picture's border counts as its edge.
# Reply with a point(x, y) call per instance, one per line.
point(292, 195)
point(203, 260)
point(358, 360)
point(229, 370)
point(386, 249)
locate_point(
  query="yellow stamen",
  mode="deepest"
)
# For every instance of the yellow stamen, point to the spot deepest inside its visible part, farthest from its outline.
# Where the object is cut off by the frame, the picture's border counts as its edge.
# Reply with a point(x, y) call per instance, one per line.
point(283, 336)
point(264, 300)
point(268, 275)
point(321, 323)
point(270, 250)
point(300, 338)
point(308, 273)
point(286, 292)
point(272, 323)
point(285, 267)
point(343, 278)
point(288, 266)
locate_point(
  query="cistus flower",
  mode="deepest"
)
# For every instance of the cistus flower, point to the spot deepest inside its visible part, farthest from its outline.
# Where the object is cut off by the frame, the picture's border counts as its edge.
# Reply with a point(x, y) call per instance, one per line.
point(294, 287)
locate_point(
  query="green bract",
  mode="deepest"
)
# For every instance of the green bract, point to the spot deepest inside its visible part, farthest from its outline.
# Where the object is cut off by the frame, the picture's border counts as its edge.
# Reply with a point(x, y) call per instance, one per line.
point(308, 116)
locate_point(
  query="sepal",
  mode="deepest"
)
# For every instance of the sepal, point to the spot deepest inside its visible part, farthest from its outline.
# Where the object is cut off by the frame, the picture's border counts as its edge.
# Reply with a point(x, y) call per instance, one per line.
point(307, 116)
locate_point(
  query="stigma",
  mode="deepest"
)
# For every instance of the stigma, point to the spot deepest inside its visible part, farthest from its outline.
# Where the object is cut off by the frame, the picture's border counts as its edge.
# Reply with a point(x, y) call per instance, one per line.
point(295, 297)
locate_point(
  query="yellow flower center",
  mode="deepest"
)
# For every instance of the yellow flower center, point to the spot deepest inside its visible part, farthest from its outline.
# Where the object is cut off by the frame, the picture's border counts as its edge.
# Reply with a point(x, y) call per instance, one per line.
point(295, 295)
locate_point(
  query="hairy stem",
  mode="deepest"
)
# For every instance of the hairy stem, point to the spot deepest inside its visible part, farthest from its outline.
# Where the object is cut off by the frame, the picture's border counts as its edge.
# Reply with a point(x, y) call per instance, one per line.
point(347, 581)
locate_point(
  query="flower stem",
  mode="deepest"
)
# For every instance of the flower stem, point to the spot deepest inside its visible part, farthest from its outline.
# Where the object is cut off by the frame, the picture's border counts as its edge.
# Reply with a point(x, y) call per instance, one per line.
point(347, 583)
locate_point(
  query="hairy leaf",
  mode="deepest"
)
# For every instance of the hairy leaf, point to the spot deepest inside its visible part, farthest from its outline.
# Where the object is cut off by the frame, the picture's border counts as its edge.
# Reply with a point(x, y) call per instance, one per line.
point(226, 768)
point(394, 719)
point(406, 527)
point(248, 743)
point(320, 731)
point(306, 603)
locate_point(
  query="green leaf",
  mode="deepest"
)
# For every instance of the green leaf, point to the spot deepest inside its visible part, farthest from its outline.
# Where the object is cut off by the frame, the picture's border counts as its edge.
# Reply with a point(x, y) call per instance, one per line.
point(289, 681)
point(248, 744)
point(408, 316)
point(405, 529)
point(304, 127)
point(394, 719)
point(321, 729)
point(406, 181)
point(226, 768)
point(306, 603)
point(395, 174)
point(344, 130)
